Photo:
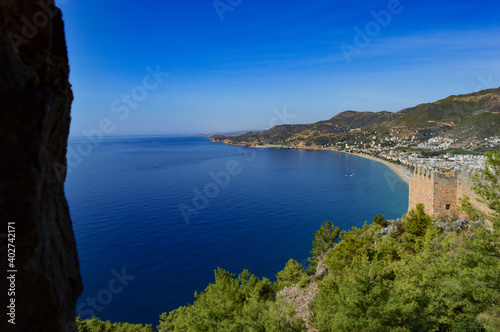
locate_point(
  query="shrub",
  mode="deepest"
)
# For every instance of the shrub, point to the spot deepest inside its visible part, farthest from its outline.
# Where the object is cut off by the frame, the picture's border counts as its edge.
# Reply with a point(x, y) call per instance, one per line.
point(466, 324)
point(291, 274)
point(97, 325)
point(416, 221)
point(381, 220)
point(304, 281)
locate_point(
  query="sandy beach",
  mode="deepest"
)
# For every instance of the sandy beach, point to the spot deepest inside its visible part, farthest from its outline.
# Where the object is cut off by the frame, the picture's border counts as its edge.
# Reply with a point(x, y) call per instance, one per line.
point(403, 172)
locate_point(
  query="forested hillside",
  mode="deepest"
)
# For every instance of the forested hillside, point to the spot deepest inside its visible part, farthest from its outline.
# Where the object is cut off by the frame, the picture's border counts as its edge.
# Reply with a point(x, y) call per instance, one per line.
point(466, 119)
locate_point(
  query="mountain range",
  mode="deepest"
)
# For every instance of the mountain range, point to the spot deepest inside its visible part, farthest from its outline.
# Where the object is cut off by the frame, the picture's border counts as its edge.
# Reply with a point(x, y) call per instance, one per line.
point(463, 119)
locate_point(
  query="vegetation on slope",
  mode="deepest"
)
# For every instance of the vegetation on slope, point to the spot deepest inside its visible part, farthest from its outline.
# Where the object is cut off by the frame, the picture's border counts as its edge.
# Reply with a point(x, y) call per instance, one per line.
point(422, 281)
point(97, 325)
point(472, 116)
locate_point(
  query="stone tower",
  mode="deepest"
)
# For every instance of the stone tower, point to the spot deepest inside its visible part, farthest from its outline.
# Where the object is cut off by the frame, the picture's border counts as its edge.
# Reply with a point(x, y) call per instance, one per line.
point(440, 191)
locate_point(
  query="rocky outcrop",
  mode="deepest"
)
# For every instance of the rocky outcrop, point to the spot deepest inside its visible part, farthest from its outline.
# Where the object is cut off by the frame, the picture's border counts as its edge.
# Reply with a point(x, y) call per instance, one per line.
point(459, 225)
point(35, 101)
point(302, 298)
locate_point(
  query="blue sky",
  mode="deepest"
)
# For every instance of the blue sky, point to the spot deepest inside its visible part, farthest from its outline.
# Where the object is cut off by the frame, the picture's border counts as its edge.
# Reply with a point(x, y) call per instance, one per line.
point(250, 64)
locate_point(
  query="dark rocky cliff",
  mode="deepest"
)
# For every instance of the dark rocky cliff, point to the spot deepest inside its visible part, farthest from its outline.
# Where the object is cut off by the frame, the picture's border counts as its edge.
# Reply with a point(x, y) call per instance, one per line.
point(35, 101)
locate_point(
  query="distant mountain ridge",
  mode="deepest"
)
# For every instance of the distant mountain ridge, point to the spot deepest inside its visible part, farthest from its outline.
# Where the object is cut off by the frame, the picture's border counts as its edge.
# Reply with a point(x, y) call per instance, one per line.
point(464, 118)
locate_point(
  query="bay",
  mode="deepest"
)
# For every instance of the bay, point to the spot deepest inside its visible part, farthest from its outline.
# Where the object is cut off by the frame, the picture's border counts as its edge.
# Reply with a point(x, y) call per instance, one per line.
point(154, 216)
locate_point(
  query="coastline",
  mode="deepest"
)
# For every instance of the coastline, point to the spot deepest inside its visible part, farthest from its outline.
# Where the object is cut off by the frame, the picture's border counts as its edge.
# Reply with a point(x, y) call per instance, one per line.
point(401, 171)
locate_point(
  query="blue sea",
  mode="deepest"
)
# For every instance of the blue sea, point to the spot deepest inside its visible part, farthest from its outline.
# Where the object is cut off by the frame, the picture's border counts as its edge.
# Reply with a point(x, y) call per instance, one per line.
point(155, 216)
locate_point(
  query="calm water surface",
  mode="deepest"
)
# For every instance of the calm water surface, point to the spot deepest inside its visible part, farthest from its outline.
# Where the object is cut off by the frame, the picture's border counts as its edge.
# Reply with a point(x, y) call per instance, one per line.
point(125, 200)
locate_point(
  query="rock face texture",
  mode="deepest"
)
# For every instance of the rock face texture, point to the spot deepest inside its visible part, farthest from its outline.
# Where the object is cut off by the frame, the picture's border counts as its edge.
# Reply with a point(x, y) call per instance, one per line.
point(35, 101)
point(301, 298)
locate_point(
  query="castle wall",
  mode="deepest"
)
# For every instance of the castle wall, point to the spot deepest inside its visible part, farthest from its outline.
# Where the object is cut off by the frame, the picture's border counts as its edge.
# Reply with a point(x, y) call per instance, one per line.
point(445, 195)
point(440, 192)
point(464, 187)
point(422, 190)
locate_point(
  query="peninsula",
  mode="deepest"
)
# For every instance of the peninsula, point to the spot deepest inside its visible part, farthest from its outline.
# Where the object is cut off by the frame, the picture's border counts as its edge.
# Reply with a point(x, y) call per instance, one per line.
point(451, 133)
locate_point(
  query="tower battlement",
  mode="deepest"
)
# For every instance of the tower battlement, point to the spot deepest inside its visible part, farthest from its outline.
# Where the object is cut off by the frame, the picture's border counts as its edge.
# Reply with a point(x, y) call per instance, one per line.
point(440, 191)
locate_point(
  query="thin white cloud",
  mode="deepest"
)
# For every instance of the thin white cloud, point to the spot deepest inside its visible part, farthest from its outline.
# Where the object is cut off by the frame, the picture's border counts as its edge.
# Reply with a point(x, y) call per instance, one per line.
point(442, 43)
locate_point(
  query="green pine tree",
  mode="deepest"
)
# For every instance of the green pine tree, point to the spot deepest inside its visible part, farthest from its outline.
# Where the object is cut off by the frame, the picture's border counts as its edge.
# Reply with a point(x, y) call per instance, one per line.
point(291, 274)
point(324, 239)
